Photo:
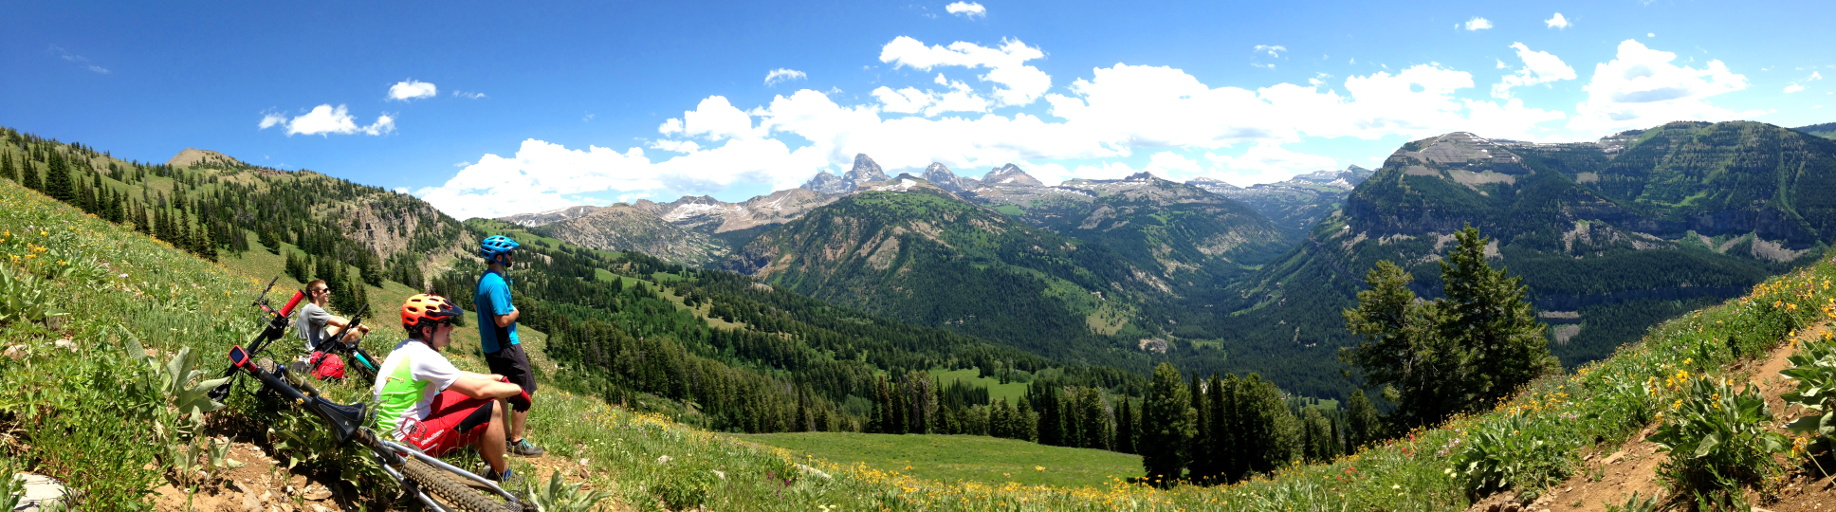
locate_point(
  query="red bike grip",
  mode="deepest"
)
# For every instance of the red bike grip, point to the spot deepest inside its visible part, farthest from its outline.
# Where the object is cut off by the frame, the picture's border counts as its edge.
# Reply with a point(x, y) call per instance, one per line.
point(295, 301)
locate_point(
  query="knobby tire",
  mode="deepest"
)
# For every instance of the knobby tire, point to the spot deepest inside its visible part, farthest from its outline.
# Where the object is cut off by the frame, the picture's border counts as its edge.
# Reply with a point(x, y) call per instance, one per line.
point(450, 490)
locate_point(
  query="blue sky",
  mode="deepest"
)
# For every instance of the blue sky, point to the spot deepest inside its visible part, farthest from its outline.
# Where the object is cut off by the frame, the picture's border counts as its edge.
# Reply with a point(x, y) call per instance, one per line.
point(487, 109)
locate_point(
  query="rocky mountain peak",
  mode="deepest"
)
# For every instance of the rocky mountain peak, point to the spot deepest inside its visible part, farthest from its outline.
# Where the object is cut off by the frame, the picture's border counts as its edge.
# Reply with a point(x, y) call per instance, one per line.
point(696, 200)
point(1010, 174)
point(940, 175)
point(827, 183)
point(865, 171)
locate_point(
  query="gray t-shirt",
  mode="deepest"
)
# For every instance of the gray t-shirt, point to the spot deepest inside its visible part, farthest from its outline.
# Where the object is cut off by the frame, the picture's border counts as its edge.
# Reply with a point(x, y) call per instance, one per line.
point(311, 325)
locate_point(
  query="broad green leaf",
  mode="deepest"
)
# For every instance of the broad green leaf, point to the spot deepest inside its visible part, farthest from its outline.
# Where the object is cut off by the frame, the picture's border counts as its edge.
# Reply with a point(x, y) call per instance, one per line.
point(1708, 444)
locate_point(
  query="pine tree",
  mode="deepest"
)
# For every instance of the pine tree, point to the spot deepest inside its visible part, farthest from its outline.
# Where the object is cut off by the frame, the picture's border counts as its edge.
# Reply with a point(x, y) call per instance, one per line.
point(1220, 441)
point(30, 176)
point(1229, 414)
point(1125, 425)
point(1167, 424)
point(1202, 462)
point(1361, 421)
point(141, 223)
point(57, 178)
point(1489, 314)
point(6, 167)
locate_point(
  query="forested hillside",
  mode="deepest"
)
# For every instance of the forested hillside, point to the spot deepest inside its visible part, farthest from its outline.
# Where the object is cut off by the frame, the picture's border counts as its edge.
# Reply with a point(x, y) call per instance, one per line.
point(710, 348)
point(1611, 237)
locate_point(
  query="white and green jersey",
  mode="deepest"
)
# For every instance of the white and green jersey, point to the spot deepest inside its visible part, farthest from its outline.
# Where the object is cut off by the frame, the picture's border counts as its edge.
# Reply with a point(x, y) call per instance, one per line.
point(407, 383)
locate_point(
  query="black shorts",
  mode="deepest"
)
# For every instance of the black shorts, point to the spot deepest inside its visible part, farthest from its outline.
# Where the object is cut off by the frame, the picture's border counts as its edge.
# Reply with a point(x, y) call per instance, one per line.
point(510, 362)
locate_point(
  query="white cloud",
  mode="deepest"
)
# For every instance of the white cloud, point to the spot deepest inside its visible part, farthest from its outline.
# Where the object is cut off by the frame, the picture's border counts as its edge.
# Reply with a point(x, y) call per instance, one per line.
point(1557, 21)
point(1539, 68)
point(1266, 162)
point(714, 118)
point(1502, 65)
point(967, 9)
point(412, 89)
point(1182, 126)
point(782, 74)
point(401, 190)
point(1018, 83)
point(79, 60)
point(1273, 50)
point(676, 146)
point(1475, 24)
point(1640, 87)
point(325, 120)
point(468, 95)
point(1798, 85)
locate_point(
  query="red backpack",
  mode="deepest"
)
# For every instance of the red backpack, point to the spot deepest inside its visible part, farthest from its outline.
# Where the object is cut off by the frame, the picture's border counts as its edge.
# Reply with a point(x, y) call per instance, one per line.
point(326, 366)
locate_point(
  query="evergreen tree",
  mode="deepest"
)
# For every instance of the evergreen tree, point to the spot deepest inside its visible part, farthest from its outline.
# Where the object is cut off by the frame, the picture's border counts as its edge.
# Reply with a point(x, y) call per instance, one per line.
point(29, 173)
point(1222, 441)
point(1402, 352)
point(1092, 419)
point(57, 178)
point(1125, 425)
point(1489, 314)
point(1362, 426)
point(1200, 461)
point(141, 223)
point(6, 167)
point(296, 267)
point(1167, 424)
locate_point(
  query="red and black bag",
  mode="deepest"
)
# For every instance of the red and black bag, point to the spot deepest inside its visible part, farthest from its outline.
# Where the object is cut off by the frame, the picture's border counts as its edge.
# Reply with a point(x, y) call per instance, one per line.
point(326, 366)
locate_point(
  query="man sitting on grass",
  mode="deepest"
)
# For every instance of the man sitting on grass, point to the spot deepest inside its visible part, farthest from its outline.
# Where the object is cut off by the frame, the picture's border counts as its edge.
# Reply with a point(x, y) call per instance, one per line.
point(423, 400)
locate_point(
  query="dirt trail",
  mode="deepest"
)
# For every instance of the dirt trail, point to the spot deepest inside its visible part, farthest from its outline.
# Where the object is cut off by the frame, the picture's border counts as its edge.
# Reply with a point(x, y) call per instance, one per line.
point(1610, 476)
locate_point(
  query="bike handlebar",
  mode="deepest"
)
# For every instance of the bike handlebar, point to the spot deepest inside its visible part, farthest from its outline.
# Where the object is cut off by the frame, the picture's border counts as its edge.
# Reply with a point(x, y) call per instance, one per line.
point(295, 301)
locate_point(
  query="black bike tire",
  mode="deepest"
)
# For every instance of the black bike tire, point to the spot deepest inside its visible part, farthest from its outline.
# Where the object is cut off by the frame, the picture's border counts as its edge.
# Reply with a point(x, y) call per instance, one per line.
point(450, 490)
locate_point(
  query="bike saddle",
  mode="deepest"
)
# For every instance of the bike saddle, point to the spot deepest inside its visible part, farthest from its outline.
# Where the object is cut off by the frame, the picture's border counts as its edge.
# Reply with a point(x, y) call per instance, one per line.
point(345, 419)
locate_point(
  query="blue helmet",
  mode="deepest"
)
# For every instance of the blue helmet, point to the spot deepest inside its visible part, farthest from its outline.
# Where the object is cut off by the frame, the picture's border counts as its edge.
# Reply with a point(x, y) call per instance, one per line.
point(494, 245)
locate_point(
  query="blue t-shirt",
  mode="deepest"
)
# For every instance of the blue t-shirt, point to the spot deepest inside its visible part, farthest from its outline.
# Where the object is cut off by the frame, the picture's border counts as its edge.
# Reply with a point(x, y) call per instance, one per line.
point(493, 300)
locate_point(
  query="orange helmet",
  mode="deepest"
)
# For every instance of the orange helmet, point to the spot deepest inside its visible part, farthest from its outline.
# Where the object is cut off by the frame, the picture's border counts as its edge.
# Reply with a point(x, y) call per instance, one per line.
point(428, 308)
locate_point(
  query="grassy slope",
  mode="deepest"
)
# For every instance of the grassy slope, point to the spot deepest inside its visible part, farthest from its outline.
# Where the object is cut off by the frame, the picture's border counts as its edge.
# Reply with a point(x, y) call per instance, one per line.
point(170, 300)
point(962, 458)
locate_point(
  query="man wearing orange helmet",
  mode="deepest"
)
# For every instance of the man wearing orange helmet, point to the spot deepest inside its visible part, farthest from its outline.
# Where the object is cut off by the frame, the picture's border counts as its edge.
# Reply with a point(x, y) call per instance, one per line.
point(423, 400)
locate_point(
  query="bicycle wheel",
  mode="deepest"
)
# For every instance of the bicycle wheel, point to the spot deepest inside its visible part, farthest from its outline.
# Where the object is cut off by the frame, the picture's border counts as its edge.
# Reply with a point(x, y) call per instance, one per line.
point(451, 490)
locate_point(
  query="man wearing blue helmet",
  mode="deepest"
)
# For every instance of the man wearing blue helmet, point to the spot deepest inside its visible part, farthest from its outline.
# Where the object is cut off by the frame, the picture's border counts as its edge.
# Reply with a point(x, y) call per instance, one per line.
point(497, 332)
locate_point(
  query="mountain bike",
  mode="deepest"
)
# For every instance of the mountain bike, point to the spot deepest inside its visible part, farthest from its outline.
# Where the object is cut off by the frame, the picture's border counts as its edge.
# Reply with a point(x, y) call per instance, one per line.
point(356, 359)
point(437, 484)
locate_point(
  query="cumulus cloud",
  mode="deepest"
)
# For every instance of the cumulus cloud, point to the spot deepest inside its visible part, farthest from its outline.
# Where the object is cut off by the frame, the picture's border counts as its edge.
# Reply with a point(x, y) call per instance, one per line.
point(326, 120)
point(1017, 83)
point(1475, 24)
point(470, 95)
point(967, 9)
point(412, 89)
point(775, 76)
point(1539, 68)
point(1556, 21)
point(1641, 87)
point(1274, 51)
point(676, 146)
point(1182, 126)
point(1265, 162)
point(714, 118)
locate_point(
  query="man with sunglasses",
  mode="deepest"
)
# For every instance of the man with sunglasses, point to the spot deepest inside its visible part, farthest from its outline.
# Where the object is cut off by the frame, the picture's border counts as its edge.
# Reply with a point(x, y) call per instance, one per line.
point(317, 326)
point(423, 400)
